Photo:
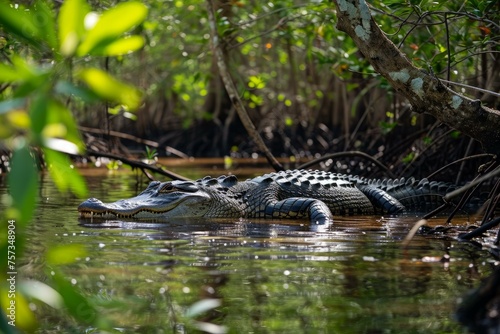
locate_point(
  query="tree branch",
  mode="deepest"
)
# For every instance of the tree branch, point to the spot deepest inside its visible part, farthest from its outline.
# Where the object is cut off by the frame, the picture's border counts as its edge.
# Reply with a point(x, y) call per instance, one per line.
point(425, 92)
point(232, 92)
point(138, 164)
point(127, 136)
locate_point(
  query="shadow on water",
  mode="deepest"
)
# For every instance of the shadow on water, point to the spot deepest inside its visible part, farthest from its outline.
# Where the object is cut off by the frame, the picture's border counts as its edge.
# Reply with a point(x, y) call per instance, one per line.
point(268, 276)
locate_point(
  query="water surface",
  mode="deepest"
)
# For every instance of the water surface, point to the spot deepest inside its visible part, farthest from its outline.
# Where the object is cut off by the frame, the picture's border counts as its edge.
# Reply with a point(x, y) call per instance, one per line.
point(268, 276)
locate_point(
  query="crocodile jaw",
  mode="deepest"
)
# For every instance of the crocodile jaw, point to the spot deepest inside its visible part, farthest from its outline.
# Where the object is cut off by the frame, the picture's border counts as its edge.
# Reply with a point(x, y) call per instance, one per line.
point(148, 207)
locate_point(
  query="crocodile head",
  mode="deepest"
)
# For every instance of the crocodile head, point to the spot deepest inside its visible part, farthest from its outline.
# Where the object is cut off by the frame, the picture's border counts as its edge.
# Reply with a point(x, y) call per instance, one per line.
point(159, 200)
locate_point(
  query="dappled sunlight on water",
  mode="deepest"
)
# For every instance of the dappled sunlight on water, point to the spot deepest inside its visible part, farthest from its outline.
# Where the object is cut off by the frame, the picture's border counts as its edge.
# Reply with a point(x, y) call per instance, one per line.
point(354, 276)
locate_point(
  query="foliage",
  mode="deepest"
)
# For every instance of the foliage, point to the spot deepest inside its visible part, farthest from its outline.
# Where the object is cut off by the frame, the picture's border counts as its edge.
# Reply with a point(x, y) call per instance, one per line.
point(38, 83)
point(294, 70)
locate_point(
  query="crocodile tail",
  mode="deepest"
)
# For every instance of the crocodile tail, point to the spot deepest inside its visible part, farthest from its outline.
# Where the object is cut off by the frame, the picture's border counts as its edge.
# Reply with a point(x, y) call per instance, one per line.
point(381, 200)
point(425, 196)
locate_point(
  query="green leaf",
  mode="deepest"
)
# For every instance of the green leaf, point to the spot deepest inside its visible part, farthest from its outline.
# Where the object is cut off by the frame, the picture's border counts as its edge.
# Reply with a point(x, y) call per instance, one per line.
point(65, 254)
point(116, 110)
point(352, 86)
point(19, 22)
point(23, 183)
point(45, 23)
point(59, 116)
point(53, 125)
point(108, 88)
point(455, 134)
point(69, 89)
point(64, 174)
point(387, 127)
point(19, 119)
point(256, 82)
point(19, 71)
point(111, 25)
point(39, 83)
point(409, 158)
point(29, 78)
point(38, 114)
point(9, 73)
point(121, 46)
point(71, 25)
point(440, 57)
point(35, 25)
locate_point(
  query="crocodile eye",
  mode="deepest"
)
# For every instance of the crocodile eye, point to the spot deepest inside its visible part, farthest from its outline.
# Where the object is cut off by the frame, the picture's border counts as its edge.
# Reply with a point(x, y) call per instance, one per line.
point(167, 188)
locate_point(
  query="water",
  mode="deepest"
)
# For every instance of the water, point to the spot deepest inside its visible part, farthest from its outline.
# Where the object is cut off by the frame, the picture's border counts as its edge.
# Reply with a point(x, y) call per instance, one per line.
point(263, 276)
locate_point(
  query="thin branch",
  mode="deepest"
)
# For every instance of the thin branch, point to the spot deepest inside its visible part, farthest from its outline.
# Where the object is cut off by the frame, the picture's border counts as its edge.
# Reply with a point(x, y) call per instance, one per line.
point(469, 191)
point(426, 148)
point(119, 135)
point(280, 23)
point(494, 197)
point(455, 15)
point(480, 230)
point(477, 156)
point(437, 210)
point(471, 54)
point(480, 180)
point(403, 22)
point(134, 138)
point(138, 164)
point(249, 22)
point(410, 31)
point(448, 63)
point(264, 33)
point(471, 87)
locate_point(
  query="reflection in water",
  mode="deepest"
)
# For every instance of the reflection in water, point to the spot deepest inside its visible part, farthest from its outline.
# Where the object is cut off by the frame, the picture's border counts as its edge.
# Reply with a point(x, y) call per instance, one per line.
point(270, 276)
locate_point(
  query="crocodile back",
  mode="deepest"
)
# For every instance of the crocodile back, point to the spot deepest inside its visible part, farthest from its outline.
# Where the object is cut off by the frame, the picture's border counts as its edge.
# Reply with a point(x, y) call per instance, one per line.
point(417, 196)
point(335, 190)
point(342, 193)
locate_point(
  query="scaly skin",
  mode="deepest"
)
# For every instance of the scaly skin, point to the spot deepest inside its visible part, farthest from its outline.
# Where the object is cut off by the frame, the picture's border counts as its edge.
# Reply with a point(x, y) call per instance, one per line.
point(316, 195)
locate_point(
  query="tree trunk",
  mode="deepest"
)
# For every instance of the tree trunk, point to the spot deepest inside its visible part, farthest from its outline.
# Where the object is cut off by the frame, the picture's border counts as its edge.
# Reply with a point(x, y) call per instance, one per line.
point(424, 91)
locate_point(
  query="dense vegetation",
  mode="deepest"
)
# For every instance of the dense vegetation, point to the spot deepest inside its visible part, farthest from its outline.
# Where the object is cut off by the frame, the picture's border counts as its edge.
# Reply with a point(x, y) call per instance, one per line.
point(305, 85)
point(148, 70)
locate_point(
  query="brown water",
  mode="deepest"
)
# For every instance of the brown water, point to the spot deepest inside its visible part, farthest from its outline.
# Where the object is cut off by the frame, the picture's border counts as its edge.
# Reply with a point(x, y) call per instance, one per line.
point(267, 276)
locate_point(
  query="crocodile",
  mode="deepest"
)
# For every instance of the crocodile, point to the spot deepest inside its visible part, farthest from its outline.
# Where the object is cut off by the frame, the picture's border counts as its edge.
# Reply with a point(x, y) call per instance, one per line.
point(294, 194)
